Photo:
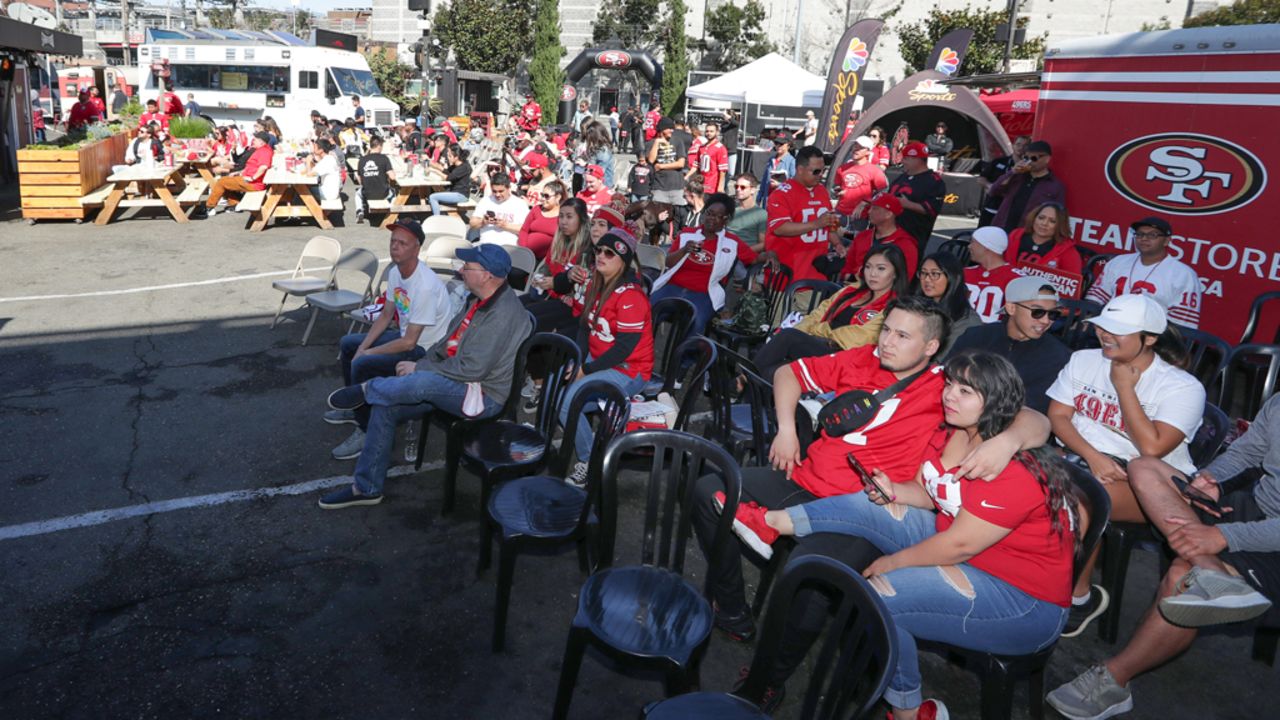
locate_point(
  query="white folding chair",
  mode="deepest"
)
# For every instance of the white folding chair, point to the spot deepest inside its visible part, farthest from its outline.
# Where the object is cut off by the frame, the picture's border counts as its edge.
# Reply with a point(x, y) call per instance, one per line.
point(338, 300)
point(522, 258)
point(441, 253)
point(443, 225)
point(300, 284)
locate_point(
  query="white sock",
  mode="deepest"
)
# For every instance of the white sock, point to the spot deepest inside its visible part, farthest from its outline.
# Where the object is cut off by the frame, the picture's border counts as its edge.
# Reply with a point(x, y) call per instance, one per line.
point(1082, 600)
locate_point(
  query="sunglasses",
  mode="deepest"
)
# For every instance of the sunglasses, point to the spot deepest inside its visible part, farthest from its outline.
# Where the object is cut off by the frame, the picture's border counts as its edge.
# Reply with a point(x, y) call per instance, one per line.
point(550, 196)
point(1039, 313)
point(742, 187)
point(1034, 158)
point(606, 252)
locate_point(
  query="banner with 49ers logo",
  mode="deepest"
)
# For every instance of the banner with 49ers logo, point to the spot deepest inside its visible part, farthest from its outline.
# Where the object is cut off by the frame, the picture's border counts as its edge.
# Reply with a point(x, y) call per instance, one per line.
point(1178, 125)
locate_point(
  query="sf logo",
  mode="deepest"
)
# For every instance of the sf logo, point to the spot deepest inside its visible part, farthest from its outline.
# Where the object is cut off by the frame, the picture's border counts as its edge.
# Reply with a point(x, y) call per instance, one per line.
point(1183, 168)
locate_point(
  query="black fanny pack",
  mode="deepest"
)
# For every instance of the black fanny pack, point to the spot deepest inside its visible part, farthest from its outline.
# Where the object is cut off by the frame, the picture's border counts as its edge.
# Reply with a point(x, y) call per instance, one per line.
point(852, 410)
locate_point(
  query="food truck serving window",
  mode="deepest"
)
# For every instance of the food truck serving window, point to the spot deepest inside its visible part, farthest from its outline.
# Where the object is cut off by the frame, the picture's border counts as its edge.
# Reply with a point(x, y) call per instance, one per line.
point(245, 78)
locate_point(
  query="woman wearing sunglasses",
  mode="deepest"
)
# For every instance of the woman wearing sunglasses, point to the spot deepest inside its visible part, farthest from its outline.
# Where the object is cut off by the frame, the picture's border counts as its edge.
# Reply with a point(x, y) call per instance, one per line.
point(1045, 240)
point(980, 565)
point(1127, 399)
point(540, 226)
point(941, 279)
point(879, 153)
point(615, 332)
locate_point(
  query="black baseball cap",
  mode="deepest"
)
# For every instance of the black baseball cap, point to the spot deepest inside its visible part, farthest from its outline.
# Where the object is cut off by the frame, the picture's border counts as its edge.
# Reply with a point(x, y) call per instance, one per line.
point(1158, 223)
point(413, 226)
point(1039, 146)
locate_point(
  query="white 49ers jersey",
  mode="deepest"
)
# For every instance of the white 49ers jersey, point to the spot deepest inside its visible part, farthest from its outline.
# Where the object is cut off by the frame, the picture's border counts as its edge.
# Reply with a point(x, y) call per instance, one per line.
point(1169, 282)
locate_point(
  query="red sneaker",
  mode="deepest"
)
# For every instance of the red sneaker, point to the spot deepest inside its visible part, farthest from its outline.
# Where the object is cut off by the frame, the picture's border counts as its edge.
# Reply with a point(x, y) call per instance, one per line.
point(749, 525)
point(929, 710)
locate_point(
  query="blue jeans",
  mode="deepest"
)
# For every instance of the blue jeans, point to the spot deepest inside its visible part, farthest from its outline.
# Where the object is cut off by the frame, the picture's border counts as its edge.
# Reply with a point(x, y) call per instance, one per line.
point(453, 198)
point(989, 616)
point(583, 436)
point(394, 400)
point(357, 371)
point(701, 305)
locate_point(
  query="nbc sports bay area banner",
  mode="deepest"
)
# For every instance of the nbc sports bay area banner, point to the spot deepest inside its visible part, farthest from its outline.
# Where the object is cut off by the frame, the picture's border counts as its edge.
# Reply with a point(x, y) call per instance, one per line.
point(848, 63)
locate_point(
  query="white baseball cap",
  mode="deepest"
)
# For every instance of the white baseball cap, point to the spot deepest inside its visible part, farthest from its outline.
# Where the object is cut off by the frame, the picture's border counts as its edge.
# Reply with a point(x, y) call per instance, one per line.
point(865, 142)
point(992, 238)
point(1129, 314)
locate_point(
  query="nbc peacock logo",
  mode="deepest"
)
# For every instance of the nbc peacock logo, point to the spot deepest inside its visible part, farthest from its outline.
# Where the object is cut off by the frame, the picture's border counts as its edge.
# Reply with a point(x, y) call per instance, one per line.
point(948, 62)
point(856, 56)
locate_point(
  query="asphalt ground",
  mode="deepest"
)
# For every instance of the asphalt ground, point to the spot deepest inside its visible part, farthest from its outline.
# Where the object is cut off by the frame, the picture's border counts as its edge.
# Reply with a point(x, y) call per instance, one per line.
point(214, 587)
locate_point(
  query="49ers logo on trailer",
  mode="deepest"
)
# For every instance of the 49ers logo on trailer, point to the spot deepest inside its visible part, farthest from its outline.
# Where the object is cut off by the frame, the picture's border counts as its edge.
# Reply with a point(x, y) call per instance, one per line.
point(613, 59)
point(1186, 173)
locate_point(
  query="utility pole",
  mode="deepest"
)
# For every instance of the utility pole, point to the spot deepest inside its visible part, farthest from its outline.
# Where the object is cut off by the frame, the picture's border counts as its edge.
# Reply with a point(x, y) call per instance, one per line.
point(1013, 29)
point(124, 29)
point(795, 54)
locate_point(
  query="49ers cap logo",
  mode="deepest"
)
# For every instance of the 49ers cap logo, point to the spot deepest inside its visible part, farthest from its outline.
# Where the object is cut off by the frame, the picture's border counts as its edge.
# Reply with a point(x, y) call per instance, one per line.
point(1186, 173)
point(613, 59)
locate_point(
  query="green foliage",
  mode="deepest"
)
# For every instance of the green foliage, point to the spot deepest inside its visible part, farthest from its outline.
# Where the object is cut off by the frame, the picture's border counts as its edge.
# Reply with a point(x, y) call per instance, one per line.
point(985, 52)
point(738, 35)
point(545, 74)
point(131, 109)
point(1161, 24)
point(634, 22)
point(188, 128)
point(252, 19)
point(391, 75)
point(675, 56)
point(1242, 12)
point(485, 35)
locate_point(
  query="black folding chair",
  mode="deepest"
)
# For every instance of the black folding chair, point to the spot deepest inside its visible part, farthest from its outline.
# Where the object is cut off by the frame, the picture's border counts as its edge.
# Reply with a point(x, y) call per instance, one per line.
point(958, 247)
point(542, 511)
point(672, 319)
point(648, 614)
point(1256, 310)
point(1072, 329)
point(1260, 364)
point(815, 292)
point(852, 668)
point(772, 283)
point(1206, 357)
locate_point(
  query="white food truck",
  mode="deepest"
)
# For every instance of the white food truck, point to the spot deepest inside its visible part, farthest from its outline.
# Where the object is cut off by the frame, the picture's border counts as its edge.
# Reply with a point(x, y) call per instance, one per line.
point(239, 76)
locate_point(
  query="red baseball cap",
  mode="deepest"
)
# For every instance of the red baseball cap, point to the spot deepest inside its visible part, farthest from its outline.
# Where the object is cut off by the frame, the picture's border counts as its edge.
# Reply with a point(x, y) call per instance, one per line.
point(536, 160)
point(595, 170)
point(888, 202)
point(916, 149)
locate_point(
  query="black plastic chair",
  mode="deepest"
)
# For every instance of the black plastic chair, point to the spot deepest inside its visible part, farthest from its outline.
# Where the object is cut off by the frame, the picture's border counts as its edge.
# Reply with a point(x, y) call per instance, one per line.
point(1093, 263)
point(817, 291)
point(1000, 672)
point(542, 511)
point(958, 247)
point(1206, 357)
point(1255, 319)
point(1261, 365)
point(498, 447)
point(852, 669)
point(773, 283)
point(689, 366)
point(730, 422)
point(1072, 329)
point(648, 614)
point(672, 319)
point(1122, 537)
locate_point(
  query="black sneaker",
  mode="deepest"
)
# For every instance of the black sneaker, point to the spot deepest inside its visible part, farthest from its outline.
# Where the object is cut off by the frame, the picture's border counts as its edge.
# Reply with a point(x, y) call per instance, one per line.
point(346, 497)
point(739, 628)
point(1082, 615)
point(773, 694)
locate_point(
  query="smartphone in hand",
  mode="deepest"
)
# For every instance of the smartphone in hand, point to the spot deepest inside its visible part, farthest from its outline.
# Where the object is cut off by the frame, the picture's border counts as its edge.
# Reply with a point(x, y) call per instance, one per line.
point(1195, 495)
point(867, 478)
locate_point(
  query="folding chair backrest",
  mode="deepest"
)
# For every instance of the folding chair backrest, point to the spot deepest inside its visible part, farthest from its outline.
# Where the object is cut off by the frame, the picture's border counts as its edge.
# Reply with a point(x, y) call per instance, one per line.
point(672, 318)
point(436, 225)
point(1208, 439)
point(321, 248)
point(698, 355)
point(724, 378)
point(523, 259)
point(1254, 329)
point(958, 247)
point(1206, 356)
point(651, 256)
point(1260, 364)
point(442, 251)
point(358, 260)
point(814, 293)
point(1097, 503)
point(1072, 328)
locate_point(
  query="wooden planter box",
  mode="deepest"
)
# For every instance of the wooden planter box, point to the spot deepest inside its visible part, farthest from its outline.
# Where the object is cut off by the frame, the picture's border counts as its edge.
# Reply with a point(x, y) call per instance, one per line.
point(53, 181)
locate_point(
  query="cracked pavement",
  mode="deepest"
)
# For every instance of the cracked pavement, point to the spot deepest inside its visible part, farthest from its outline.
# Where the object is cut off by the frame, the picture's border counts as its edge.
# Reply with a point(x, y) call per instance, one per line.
point(271, 607)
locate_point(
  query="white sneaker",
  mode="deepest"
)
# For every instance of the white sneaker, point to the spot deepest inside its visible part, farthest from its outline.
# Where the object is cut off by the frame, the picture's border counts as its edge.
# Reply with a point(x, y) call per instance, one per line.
point(211, 211)
point(578, 478)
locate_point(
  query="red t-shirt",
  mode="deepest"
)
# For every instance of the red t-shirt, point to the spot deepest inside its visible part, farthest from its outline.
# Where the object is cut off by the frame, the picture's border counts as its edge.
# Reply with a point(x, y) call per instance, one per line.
point(626, 310)
point(1032, 558)
point(880, 156)
point(651, 124)
point(713, 163)
point(595, 200)
point(82, 113)
point(793, 202)
point(695, 273)
point(538, 231)
point(865, 240)
point(451, 346)
point(894, 441)
point(858, 183)
point(260, 158)
point(1063, 255)
point(986, 289)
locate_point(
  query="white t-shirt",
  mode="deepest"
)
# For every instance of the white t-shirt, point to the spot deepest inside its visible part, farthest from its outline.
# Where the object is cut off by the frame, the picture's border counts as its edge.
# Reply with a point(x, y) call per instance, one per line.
point(421, 299)
point(1169, 282)
point(330, 178)
point(1167, 394)
point(511, 212)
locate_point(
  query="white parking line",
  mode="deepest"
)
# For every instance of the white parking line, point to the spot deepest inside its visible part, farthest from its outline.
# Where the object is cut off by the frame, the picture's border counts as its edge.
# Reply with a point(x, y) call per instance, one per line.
point(101, 517)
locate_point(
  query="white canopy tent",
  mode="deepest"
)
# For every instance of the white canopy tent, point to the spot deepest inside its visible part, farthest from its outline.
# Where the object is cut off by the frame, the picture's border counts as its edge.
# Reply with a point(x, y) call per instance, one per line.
point(771, 80)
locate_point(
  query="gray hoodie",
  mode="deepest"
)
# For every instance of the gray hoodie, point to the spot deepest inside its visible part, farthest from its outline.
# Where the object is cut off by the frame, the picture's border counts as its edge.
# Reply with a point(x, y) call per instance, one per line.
point(1260, 446)
point(487, 350)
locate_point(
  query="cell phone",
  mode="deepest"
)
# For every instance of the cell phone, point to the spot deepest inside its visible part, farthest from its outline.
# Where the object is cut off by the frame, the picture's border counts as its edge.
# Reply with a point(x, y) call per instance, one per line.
point(1195, 495)
point(867, 478)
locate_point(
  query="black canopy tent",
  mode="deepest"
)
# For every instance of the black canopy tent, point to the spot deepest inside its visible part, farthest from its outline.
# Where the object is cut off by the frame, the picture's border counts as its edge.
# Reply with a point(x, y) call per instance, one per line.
point(21, 47)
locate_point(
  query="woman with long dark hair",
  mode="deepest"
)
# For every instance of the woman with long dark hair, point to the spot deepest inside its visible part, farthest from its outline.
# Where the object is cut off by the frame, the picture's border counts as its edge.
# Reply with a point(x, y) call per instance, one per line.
point(1127, 399)
point(543, 221)
point(941, 279)
point(980, 565)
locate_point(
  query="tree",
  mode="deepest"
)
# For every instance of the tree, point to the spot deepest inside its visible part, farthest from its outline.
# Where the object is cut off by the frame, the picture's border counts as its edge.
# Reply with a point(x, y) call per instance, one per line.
point(985, 54)
point(486, 35)
point(545, 74)
point(1242, 12)
point(738, 35)
point(632, 21)
point(675, 56)
point(390, 74)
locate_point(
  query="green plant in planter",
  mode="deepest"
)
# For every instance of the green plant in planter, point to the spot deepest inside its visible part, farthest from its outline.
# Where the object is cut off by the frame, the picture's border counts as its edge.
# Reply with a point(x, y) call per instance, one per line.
point(131, 111)
point(189, 128)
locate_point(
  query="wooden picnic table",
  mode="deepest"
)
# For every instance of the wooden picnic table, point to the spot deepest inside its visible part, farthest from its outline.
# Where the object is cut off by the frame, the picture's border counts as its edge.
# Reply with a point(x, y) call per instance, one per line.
point(157, 186)
point(407, 189)
point(282, 188)
point(202, 164)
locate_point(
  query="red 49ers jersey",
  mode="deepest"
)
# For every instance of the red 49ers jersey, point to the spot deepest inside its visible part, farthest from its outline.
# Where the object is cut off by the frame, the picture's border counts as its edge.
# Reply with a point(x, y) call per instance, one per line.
point(793, 202)
point(626, 310)
point(713, 161)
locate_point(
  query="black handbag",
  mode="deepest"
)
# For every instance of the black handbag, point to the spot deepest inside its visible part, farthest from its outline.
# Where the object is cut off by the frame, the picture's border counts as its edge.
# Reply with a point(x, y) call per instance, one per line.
point(852, 410)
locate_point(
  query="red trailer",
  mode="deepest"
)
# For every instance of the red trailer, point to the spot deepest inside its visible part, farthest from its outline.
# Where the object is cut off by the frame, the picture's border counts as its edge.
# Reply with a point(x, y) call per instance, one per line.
point(1178, 124)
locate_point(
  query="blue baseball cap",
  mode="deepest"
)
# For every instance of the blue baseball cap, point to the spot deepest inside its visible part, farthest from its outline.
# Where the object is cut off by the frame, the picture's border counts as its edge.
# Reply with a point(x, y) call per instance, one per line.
point(490, 257)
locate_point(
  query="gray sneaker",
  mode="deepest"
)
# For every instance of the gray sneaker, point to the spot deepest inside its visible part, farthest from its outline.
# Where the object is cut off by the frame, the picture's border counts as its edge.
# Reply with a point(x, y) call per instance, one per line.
point(1094, 695)
point(340, 417)
point(351, 447)
point(1209, 597)
point(578, 478)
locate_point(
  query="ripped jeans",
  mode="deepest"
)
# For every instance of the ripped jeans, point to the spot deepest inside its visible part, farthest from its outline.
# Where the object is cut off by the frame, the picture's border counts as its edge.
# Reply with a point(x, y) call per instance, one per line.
point(959, 605)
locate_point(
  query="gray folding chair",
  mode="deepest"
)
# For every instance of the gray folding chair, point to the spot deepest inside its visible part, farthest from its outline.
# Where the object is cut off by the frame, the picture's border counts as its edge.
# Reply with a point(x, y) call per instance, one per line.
point(652, 256)
point(523, 259)
point(300, 284)
point(356, 316)
point(338, 300)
